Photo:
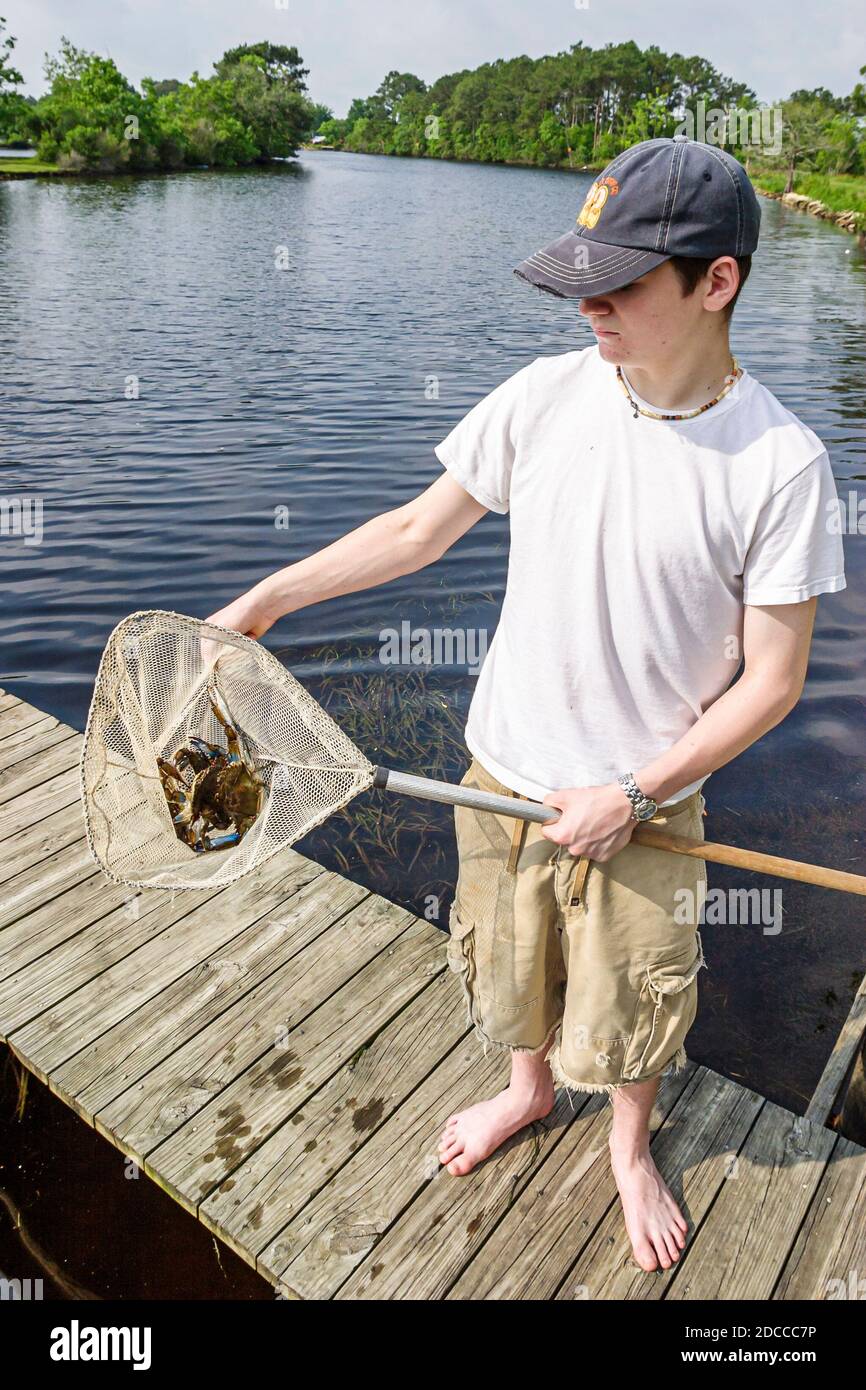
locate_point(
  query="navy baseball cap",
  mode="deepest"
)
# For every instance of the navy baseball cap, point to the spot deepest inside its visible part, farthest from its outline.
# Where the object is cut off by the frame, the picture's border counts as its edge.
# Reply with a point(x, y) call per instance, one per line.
point(664, 197)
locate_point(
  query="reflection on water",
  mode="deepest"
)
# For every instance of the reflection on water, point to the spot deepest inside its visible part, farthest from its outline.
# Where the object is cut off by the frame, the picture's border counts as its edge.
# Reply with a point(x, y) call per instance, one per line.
point(169, 392)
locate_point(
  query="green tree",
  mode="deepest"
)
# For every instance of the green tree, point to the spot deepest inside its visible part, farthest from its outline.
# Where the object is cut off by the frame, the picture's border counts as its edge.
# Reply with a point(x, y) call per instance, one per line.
point(333, 131)
point(804, 136)
point(92, 118)
point(359, 108)
point(13, 107)
point(856, 102)
point(320, 115)
point(277, 114)
point(280, 64)
point(391, 92)
point(199, 124)
point(551, 139)
point(648, 118)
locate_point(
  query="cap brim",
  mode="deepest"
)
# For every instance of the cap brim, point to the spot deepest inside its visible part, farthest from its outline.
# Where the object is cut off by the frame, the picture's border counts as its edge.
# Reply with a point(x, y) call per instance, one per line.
point(575, 267)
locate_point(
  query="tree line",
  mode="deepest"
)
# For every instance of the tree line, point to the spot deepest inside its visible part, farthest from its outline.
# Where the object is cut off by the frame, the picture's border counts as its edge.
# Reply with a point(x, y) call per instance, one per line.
point(577, 108)
point(583, 106)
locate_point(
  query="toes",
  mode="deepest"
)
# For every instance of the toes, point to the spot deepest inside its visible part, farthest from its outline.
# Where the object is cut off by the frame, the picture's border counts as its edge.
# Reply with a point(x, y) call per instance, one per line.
point(645, 1255)
point(661, 1250)
point(673, 1249)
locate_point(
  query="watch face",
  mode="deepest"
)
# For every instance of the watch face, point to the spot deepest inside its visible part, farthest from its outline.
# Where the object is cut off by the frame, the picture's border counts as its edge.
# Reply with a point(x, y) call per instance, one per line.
point(648, 812)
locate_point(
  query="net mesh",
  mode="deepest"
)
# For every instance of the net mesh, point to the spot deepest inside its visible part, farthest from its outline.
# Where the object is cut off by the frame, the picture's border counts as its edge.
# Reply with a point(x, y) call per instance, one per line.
point(152, 696)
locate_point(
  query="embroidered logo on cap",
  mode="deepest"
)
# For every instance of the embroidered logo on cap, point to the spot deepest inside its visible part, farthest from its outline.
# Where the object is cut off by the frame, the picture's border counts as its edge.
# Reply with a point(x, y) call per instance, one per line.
point(598, 194)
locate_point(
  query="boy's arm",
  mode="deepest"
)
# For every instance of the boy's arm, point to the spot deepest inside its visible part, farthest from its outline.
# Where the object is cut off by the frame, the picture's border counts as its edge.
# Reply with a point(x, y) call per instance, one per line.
point(776, 641)
point(395, 543)
point(597, 820)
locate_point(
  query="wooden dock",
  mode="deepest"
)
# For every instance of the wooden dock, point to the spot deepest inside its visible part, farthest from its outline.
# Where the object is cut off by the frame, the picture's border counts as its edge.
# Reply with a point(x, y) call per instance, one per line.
point(281, 1056)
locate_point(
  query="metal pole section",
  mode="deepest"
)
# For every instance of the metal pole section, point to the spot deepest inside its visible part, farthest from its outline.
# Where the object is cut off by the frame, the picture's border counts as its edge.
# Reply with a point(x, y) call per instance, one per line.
point(452, 794)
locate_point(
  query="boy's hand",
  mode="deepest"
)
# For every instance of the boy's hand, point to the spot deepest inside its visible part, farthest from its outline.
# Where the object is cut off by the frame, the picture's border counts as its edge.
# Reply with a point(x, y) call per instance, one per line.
point(595, 821)
point(247, 614)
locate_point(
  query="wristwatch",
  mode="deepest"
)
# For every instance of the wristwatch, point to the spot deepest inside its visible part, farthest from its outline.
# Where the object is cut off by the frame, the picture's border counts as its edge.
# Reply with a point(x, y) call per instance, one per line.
point(642, 807)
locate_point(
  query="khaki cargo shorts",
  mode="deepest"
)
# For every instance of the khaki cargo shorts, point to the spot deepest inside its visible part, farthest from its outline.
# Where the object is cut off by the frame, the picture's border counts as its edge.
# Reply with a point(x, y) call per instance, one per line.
point(604, 954)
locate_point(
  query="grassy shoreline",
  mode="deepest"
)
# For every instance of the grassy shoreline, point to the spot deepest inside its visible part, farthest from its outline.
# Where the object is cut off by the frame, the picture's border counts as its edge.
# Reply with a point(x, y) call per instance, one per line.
point(26, 168)
point(33, 169)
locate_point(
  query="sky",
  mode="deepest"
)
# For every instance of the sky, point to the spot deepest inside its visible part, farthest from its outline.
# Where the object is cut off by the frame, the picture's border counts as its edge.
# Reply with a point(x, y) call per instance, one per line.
point(349, 45)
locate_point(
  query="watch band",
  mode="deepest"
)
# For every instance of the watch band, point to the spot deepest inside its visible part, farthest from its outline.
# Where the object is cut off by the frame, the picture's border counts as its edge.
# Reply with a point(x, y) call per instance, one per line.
point(642, 807)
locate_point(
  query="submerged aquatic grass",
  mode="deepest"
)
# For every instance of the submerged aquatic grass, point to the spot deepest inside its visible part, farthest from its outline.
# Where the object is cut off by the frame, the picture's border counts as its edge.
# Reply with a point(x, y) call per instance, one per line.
point(410, 719)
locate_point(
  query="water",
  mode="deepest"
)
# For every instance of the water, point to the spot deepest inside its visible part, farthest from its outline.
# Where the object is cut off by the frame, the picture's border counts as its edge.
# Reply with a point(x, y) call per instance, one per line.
point(91, 1225)
point(255, 388)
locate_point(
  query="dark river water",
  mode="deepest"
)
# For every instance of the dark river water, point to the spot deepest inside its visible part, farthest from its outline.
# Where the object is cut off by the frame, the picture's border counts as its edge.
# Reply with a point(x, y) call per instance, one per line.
point(182, 357)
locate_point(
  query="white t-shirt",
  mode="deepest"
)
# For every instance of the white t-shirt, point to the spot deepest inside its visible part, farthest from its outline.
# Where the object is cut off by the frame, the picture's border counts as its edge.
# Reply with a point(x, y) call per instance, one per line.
point(635, 544)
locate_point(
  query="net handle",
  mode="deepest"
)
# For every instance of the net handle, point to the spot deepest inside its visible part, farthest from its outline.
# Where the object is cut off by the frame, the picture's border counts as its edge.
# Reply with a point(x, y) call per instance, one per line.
point(652, 836)
point(454, 795)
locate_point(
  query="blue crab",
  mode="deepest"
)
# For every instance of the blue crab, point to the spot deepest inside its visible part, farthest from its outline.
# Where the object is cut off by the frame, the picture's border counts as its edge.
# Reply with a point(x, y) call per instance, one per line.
point(210, 788)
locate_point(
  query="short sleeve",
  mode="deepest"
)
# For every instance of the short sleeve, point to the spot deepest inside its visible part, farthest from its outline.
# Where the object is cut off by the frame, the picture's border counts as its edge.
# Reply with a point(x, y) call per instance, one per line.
point(480, 450)
point(796, 549)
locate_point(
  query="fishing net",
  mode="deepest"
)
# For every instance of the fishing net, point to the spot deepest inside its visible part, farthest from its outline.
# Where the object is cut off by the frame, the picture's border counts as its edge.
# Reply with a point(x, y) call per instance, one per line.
point(203, 756)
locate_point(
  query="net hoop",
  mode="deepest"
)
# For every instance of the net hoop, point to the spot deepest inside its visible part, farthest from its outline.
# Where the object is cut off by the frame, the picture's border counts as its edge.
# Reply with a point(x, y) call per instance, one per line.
point(150, 695)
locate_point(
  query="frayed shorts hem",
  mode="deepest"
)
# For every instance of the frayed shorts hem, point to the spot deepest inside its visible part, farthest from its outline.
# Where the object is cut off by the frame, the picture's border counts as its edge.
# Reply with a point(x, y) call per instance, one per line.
point(487, 1042)
point(675, 1064)
point(560, 1076)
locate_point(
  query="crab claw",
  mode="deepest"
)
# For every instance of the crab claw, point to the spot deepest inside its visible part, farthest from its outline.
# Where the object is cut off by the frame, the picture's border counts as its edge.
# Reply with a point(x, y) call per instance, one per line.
point(238, 751)
point(223, 841)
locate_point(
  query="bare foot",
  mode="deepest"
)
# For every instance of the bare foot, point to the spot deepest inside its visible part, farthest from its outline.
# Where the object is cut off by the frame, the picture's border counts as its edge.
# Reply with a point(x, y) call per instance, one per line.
point(655, 1225)
point(472, 1134)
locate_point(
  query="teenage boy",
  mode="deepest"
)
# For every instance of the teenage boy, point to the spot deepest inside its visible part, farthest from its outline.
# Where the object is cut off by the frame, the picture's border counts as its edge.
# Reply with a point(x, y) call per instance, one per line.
point(670, 519)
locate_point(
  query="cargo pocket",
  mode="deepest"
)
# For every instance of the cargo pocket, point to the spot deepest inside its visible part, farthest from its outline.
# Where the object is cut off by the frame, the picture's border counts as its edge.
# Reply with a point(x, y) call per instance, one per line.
point(460, 949)
point(483, 844)
point(459, 946)
point(665, 1011)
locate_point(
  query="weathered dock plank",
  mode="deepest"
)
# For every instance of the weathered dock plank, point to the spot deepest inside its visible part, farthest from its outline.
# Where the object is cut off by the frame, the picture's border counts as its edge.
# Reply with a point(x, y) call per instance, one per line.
point(331, 1238)
point(40, 843)
point(139, 977)
point(28, 745)
point(31, 772)
point(831, 1242)
point(255, 1072)
point(250, 1209)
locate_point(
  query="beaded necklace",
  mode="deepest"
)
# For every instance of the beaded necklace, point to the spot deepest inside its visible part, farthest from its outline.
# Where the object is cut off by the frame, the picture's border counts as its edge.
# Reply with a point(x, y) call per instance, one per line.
point(730, 379)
